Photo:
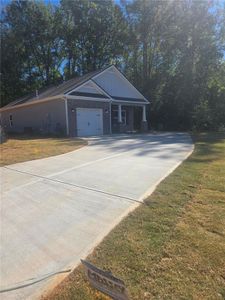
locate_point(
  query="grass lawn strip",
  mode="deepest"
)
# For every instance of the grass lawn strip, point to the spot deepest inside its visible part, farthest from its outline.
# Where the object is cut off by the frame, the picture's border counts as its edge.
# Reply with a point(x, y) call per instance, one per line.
point(173, 246)
point(21, 148)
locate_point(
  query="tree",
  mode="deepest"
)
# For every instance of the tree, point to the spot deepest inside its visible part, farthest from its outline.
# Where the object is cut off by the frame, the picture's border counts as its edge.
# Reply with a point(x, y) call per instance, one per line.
point(31, 40)
point(94, 34)
point(175, 47)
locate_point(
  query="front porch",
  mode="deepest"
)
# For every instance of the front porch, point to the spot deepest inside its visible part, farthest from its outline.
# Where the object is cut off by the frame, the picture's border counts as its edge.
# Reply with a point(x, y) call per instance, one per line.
point(128, 118)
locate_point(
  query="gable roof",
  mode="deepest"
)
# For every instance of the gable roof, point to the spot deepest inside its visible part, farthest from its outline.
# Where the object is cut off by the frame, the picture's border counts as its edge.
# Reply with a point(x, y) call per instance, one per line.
point(65, 88)
point(115, 91)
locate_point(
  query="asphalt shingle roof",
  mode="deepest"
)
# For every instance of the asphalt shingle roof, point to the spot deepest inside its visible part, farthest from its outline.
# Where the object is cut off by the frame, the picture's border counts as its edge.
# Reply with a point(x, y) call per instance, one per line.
point(55, 90)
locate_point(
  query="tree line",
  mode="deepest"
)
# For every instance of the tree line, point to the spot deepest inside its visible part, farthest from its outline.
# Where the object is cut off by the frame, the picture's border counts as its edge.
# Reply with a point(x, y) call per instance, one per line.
point(172, 51)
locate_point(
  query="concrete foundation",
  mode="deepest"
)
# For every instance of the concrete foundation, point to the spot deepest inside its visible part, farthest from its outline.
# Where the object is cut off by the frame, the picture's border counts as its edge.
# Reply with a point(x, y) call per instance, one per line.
point(121, 127)
point(144, 126)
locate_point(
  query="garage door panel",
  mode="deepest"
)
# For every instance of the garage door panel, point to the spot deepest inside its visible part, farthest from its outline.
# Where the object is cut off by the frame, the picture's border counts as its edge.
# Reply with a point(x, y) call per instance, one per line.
point(89, 121)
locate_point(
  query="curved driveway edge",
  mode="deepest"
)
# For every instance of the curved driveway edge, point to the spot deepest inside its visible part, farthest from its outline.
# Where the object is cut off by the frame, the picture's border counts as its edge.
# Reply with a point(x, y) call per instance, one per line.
point(54, 211)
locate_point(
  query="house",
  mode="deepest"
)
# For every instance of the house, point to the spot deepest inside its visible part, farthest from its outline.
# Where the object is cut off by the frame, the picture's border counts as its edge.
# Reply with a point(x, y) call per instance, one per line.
point(100, 102)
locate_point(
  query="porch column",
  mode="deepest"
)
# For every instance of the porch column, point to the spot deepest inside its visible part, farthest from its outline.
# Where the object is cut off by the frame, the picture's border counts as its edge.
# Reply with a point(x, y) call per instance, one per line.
point(144, 114)
point(144, 123)
point(120, 113)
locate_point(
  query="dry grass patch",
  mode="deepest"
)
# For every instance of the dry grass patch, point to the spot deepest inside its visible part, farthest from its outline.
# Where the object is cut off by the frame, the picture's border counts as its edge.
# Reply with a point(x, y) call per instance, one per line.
point(22, 148)
point(173, 246)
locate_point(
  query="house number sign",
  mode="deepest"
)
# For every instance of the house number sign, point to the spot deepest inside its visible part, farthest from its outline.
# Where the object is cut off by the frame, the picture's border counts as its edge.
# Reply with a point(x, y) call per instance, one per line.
point(105, 282)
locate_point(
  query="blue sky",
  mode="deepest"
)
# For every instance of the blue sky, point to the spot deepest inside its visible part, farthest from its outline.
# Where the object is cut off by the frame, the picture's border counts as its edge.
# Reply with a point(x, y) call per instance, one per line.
point(5, 2)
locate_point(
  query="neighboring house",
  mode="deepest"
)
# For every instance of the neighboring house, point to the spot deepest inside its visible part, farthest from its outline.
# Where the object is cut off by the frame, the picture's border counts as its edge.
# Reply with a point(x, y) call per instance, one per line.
point(101, 102)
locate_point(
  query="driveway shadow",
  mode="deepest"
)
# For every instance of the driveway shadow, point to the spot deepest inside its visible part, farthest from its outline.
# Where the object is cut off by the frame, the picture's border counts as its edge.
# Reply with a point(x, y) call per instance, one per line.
point(144, 144)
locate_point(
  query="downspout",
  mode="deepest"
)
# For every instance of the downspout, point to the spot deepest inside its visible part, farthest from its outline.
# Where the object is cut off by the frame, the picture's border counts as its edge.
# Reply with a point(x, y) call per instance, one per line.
point(67, 117)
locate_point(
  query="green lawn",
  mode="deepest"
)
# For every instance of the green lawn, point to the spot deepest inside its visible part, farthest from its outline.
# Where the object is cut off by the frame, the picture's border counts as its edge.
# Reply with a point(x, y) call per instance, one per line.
point(173, 246)
point(20, 148)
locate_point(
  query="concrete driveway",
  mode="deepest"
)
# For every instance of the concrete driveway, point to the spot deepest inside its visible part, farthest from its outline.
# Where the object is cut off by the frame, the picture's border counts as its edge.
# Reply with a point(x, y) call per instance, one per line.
point(55, 210)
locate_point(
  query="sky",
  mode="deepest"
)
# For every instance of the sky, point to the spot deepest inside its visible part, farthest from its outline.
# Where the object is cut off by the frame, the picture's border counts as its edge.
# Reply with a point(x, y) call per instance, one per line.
point(5, 2)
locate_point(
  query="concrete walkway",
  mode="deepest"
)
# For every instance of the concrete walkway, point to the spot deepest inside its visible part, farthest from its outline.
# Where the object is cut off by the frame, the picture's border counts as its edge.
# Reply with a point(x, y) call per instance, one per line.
point(55, 210)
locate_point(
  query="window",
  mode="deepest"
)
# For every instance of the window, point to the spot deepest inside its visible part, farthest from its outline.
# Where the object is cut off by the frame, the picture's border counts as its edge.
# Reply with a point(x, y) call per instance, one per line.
point(115, 116)
point(124, 117)
point(10, 121)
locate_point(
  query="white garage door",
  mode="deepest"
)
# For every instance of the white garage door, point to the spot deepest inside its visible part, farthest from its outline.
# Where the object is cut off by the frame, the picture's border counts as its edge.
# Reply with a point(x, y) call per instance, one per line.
point(89, 121)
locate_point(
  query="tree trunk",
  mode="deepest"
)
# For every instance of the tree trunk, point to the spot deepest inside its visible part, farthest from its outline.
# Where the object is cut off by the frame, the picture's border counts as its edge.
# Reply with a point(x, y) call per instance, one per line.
point(145, 60)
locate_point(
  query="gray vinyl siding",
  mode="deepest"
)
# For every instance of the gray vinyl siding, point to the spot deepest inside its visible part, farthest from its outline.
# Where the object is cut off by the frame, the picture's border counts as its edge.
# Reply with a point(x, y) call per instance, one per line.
point(73, 104)
point(46, 117)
